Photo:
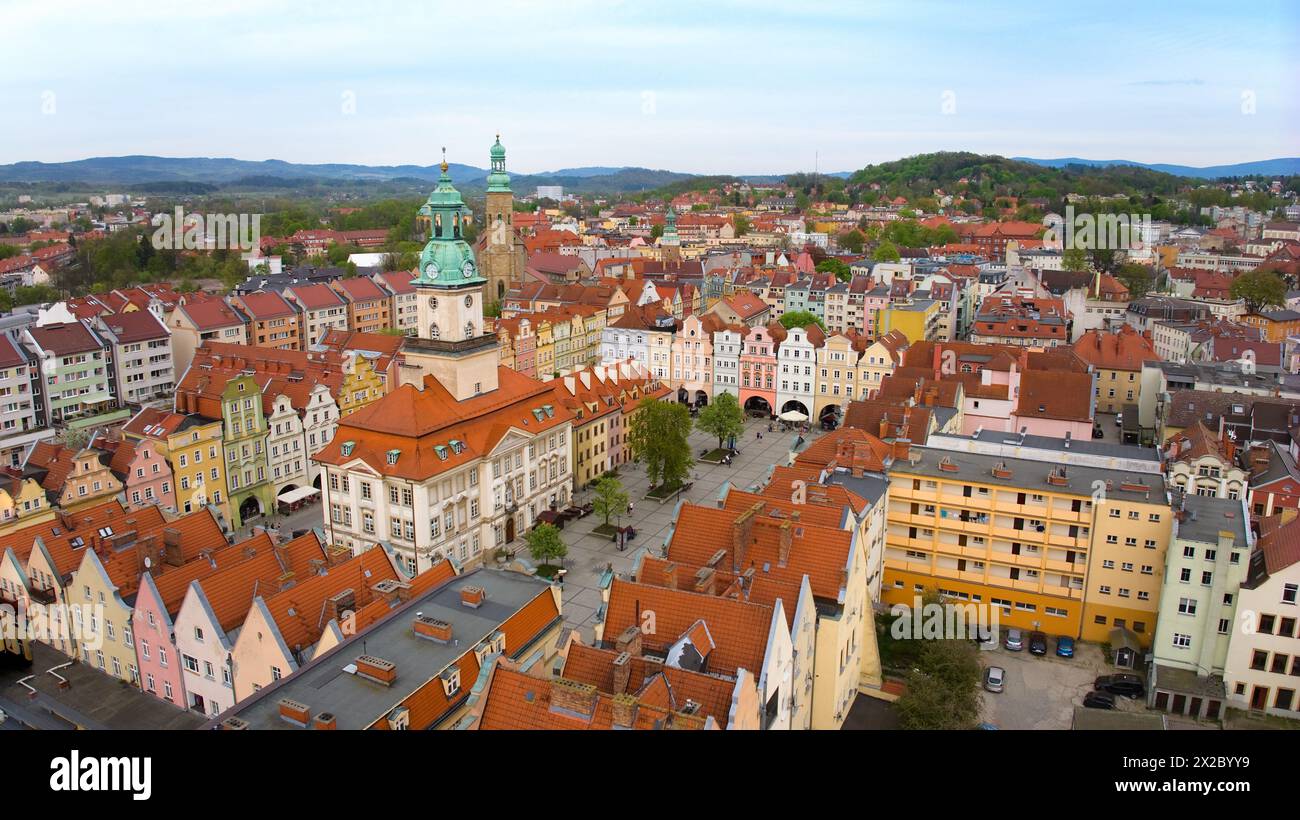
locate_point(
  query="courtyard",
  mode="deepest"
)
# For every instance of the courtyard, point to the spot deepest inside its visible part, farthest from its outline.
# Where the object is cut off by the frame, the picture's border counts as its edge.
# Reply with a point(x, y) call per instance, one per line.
point(591, 556)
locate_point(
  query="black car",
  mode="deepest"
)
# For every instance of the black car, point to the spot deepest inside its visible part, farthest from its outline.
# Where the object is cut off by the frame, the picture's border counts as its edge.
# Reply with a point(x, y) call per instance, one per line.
point(1121, 684)
point(1097, 432)
point(1037, 643)
point(1099, 700)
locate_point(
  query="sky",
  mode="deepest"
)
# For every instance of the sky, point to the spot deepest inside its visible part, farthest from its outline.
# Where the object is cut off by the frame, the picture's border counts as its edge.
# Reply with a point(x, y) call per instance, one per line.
point(710, 86)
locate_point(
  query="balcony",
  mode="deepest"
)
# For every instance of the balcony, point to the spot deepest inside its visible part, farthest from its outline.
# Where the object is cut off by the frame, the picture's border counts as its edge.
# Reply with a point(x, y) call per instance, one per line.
point(43, 595)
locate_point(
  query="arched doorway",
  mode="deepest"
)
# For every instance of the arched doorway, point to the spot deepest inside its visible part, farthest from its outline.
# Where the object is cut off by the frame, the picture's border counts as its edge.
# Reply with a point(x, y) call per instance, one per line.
point(830, 416)
point(316, 482)
point(701, 398)
point(796, 405)
point(250, 508)
point(510, 529)
point(757, 406)
point(683, 396)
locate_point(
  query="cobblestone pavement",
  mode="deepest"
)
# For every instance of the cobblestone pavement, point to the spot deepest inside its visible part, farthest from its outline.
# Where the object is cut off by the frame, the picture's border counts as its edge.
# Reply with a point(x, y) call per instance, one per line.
point(590, 555)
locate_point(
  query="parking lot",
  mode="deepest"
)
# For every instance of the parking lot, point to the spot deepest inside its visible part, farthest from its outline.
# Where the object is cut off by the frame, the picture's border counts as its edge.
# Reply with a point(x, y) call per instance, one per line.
point(1041, 691)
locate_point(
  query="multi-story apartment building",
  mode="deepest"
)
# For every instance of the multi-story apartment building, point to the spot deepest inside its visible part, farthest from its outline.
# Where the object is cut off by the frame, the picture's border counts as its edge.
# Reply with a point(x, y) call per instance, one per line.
point(22, 403)
point(402, 307)
point(1117, 358)
point(1027, 538)
point(196, 320)
point(79, 372)
point(320, 311)
point(1005, 318)
point(1263, 662)
point(142, 355)
point(1208, 559)
point(273, 322)
point(917, 319)
point(836, 376)
point(368, 304)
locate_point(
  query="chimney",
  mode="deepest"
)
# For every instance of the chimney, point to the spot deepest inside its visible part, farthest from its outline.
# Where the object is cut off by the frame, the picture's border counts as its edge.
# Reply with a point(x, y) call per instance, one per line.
point(570, 696)
point(291, 711)
point(742, 530)
point(884, 426)
point(431, 629)
point(670, 575)
point(338, 603)
point(704, 580)
point(325, 721)
point(376, 669)
point(622, 672)
point(234, 724)
point(172, 553)
point(902, 449)
point(337, 555)
point(787, 541)
point(472, 596)
point(624, 715)
point(386, 589)
point(629, 641)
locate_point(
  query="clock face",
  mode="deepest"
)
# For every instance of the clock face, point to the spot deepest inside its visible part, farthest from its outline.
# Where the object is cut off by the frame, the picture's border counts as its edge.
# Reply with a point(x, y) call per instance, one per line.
point(431, 271)
point(469, 269)
point(433, 302)
point(469, 301)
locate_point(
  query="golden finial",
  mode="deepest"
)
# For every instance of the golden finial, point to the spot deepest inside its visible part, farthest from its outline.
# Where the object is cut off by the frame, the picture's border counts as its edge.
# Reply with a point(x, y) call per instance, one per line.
point(444, 159)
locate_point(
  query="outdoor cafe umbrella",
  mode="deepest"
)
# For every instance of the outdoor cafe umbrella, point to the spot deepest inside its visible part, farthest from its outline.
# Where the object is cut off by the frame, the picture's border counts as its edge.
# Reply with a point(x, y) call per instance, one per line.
point(793, 415)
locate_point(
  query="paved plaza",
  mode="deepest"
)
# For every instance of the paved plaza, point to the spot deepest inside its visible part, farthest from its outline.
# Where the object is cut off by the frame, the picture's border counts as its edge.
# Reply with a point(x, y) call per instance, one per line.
point(590, 555)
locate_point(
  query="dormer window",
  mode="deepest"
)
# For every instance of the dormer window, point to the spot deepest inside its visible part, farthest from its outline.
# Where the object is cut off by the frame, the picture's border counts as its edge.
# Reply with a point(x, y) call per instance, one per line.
point(393, 455)
point(456, 446)
point(441, 451)
point(346, 448)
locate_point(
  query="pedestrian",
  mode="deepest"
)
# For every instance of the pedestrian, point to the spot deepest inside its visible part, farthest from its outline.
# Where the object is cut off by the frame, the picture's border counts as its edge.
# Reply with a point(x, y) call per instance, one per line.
point(629, 508)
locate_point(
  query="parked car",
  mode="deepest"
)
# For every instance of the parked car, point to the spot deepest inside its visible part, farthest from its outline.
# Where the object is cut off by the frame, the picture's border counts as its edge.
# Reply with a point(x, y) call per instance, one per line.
point(1119, 419)
point(1037, 643)
point(1097, 432)
point(1015, 640)
point(1099, 700)
point(1122, 683)
point(989, 643)
point(994, 677)
point(1065, 647)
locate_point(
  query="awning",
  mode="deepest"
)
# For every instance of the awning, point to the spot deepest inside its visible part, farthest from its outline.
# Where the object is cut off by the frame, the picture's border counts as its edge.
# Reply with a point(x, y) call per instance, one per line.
point(793, 415)
point(297, 494)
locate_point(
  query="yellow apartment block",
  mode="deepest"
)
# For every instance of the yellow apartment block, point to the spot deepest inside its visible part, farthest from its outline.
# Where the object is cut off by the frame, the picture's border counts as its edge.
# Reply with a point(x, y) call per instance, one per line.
point(1026, 537)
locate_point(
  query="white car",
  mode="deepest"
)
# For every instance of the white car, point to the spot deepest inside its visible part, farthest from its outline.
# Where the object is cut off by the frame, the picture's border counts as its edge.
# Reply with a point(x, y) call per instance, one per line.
point(994, 677)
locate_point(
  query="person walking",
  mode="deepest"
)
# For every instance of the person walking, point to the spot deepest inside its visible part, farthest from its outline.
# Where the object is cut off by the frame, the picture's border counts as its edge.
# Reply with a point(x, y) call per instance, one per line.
point(629, 508)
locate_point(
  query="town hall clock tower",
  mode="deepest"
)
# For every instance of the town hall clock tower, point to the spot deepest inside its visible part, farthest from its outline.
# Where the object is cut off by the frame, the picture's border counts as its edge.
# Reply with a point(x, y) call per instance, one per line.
point(451, 342)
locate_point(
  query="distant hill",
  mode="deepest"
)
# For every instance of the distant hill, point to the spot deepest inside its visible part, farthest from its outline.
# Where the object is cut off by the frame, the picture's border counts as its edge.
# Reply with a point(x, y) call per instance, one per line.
point(141, 172)
point(1283, 166)
point(989, 175)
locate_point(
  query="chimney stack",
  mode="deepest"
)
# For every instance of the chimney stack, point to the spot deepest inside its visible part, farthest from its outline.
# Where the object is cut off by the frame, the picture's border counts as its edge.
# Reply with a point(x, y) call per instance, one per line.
point(570, 696)
point(787, 541)
point(670, 575)
point(629, 641)
point(622, 672)
point(625, 706)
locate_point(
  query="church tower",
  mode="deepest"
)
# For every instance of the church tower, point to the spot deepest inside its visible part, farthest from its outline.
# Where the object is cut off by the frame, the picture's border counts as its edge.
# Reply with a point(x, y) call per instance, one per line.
point(502, 255)
point(670, 244)
point(450, 342)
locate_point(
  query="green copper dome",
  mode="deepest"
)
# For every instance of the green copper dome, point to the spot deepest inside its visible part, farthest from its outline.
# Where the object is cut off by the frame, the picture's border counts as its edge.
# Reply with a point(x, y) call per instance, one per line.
point(447, 260)
point(498, 181)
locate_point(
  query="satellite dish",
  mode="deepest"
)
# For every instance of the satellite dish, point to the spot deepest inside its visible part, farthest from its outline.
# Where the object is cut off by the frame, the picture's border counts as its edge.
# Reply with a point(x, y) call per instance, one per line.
point(148, 562)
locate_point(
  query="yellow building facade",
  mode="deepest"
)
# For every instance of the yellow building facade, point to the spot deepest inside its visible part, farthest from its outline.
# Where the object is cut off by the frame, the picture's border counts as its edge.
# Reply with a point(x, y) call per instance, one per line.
point(1025, 537)
point(362, 384)
point(197, 457)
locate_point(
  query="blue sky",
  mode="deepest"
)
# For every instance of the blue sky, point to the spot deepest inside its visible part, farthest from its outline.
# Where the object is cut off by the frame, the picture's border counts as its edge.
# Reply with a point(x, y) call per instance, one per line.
point(726, 87)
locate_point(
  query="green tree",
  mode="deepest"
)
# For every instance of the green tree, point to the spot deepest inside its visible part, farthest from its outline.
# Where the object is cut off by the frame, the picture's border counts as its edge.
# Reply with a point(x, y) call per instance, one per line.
point(741, 224)
point(886, 252)
point(610, 497)
point(1074, 259)
point(1260, 288)
point(722, 418)
point(801, 318)
point(851, 240)
point(943, 683)
point(1137, 278)
point(658, 437)
point(656, 231)
point(7, 251)
point(836, 266)
point(545, 544)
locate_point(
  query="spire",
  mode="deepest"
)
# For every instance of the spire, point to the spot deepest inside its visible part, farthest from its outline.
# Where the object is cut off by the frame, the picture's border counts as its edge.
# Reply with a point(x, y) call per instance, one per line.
point(498, 180)
point(444, 160)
